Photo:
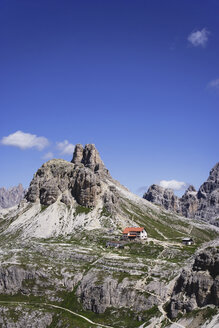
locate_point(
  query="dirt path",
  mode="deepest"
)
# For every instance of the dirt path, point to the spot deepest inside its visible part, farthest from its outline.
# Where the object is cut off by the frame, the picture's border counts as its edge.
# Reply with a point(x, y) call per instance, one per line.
point(58, 307)
point(160, 307)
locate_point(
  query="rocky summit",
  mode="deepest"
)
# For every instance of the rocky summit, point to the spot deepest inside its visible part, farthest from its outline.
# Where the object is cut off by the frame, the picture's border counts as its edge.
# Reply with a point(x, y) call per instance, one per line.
point(76, 181)
point(208, 196)
point(202, 204)
point(83, 185)
point(163, 197)
point(12, 196)
point(65, 262)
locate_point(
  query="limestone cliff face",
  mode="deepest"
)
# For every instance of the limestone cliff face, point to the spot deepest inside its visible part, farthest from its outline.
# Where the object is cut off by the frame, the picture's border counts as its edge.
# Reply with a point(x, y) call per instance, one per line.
point(89, 157)
point(77, 181)
point(12, 196)
point(12, 277)
point(203, 204)
point(189, 202)
point(187, 205)
point(163, 197)
point(208, 196)
point(97, 296)
point(198, 286)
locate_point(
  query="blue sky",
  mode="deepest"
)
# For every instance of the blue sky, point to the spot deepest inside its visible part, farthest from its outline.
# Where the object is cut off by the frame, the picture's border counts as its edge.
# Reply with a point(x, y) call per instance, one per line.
point(140, 79)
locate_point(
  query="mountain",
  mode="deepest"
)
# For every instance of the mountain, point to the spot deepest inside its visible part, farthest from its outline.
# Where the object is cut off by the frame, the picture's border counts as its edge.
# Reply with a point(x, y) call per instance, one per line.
point(55, 268)
point(12, 196)
point(203, 204)
point(62, 190)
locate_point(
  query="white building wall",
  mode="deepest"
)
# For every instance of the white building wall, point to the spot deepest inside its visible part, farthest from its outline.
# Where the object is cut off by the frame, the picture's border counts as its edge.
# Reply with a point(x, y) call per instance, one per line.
point(143, 234)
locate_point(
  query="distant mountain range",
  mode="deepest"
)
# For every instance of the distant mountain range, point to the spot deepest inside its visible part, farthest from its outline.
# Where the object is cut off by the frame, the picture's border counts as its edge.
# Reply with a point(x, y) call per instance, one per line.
point(12, 196)
point(202, 204)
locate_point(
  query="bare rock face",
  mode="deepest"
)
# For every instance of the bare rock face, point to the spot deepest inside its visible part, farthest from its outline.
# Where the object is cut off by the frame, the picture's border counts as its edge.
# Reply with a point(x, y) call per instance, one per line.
point(189, 202)
point(208, 196)
point(97, 296)
point(11, 278)
point(12, 196)
point(203, 204)
point(164, 197)
point(86, 187)
point(88, 156)
point(79, 180)
point(78, 154)
point(199, 286)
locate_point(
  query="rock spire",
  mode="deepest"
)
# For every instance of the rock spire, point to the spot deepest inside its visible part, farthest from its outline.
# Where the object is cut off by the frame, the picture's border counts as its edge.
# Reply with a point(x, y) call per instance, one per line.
point(88, 155)
point(77, 181)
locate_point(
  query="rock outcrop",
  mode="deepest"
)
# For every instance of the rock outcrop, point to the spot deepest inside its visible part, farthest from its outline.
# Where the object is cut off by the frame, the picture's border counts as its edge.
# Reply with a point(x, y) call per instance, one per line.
point(97, 296)
point(12, 279)
point(203, 204)
point(20, 316)
point(208, 196)
point(189, 202)
point(199, 286)
point(76, 181)
point(163, 197)
point(12, 196)
point(88, 156)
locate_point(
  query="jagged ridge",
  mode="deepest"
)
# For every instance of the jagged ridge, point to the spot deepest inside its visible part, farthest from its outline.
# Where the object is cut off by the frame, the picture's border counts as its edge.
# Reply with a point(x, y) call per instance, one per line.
point(203, 204)
point(12, 196)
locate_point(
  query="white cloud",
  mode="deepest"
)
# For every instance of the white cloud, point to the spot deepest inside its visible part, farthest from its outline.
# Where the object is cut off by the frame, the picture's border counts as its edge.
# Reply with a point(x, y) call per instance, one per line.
point(173, 184)
point(199, 37)
point(25, 140)
point(48, 155)
point(65, 147)
point(214, 84)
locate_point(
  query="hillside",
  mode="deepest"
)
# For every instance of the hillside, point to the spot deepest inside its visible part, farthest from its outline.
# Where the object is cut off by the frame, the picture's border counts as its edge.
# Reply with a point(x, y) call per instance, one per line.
point(53, 255)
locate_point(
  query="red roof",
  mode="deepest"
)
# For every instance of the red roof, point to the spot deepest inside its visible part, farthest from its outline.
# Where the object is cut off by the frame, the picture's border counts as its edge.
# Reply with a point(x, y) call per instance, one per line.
point(133, 229)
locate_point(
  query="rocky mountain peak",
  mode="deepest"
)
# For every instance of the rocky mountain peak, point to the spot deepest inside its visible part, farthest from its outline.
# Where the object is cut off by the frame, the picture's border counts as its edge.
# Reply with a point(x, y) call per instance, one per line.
point(78, 154)
point(214, 174)
point(211, 184)
point(12, 196)
point(203, 204)
point(77, 182)
point(191, 188)
point(161, 196)
point(88, 155)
